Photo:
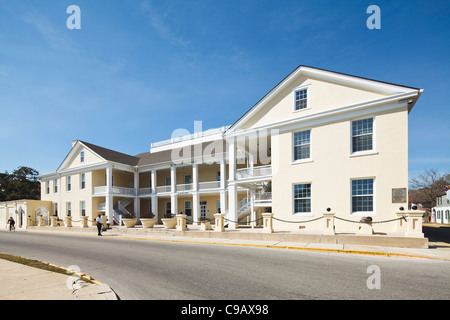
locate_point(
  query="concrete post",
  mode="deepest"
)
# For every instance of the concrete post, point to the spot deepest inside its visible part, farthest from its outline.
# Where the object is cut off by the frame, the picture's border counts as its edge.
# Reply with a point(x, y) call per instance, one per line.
point(328, 223)
point(69, 221)
point(84, 222)
point(267, 222)
point(414, 226)
point(181, 222)
point(219, 225)
point(54, 220)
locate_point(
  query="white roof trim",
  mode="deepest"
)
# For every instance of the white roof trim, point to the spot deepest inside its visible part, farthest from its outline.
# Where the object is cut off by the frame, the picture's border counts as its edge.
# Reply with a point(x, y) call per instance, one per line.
point(331, 76)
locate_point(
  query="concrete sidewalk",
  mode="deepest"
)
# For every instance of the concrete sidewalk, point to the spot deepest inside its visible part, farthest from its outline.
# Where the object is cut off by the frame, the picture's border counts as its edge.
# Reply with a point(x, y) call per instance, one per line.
point(21, 282)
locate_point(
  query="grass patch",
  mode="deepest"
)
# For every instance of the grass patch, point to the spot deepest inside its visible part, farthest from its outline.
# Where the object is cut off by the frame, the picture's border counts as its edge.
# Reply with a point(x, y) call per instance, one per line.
point(34, 263)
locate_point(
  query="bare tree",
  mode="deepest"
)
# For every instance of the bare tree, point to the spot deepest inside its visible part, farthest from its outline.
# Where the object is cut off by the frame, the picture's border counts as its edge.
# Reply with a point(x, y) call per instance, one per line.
point(427, 186)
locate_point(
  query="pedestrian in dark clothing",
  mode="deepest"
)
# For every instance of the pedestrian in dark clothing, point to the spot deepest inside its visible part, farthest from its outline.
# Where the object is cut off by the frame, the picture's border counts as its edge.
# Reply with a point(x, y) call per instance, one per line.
point(99, 224)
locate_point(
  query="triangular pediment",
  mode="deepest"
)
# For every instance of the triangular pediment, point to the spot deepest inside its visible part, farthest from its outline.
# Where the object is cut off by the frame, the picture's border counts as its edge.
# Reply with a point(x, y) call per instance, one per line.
point(327, 91)
point(74, 158)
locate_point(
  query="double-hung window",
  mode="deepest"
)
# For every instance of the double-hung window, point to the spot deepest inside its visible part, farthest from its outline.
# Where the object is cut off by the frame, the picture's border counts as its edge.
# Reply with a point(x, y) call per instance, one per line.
point(69, 183)
point(82, 156)
point(301, 98)
point(362, 195)
point(47, 186)
point(83, 208)
point(302, 198)
point(302, 145)
point(188, 208)
point(55, 185)
point(83, 181)
point(69, 209)
point(362, 135)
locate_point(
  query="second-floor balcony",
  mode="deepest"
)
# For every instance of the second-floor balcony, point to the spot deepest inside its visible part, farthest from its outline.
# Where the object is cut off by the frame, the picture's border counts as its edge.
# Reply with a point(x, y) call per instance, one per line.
point(102, 190)
point(181, 188)
point(254, 172)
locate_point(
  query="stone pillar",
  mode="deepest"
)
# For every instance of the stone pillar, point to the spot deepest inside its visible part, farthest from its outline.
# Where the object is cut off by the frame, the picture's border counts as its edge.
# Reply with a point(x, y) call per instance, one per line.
point(402, 222)
point(267, 222)
point(181, 222)
point(84, 222)
point(219, 225)
point(328, 223)
point(68, 221)
point(54, 221)
point(414, 225)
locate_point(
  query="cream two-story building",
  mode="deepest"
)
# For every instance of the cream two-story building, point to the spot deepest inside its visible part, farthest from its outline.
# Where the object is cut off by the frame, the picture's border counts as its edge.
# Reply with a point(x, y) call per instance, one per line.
point(318, 140)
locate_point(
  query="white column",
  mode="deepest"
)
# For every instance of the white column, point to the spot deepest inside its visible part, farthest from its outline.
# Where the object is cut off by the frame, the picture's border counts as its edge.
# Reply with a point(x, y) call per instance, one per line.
point(252, 208)
point(136, 192)
point(155, 206)
point(173, 179)
point(232, 159)
point(109, 197)
point(232, 207)
point(153, 180)
point(194, 176)
point(196, 207)
point(232, 188)
point(223, 173)
point(174, 204)
point(173, 183)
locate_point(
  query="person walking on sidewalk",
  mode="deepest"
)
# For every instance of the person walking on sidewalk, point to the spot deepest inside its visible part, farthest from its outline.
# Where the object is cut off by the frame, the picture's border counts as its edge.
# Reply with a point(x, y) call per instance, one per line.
point(99, 224)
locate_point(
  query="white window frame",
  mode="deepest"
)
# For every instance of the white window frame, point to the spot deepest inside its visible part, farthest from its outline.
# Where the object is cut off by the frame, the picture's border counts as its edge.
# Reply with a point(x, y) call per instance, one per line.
point(190, 207)
point(293, 147)
point(47, 186)
point(82, 181)
point(82, 158)
point(363, 213)
point(308, 97)
point(302, 214)
point(69, 183)
point(55, 185)
point(365, 152)
point(82, 208)
point(68, 209)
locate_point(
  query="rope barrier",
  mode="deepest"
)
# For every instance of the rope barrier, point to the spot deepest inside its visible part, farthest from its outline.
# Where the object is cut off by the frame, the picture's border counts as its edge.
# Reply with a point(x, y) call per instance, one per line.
point(384, 221)
point(247, 221)
point(297, 221)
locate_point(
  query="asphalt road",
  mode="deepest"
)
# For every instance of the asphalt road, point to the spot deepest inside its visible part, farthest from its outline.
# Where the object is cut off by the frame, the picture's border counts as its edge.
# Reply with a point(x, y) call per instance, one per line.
point(138, 269)
point(437, 233)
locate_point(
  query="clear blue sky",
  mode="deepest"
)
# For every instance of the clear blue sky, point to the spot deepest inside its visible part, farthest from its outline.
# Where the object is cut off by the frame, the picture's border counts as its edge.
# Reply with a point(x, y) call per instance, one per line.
point(124, 79)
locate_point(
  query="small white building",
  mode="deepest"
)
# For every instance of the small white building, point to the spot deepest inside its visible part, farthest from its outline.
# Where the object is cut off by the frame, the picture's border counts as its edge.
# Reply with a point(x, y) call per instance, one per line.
point(441, 212)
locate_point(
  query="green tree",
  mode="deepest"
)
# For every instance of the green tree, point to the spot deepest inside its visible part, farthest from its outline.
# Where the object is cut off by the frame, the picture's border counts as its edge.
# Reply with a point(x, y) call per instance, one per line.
point(22, 183)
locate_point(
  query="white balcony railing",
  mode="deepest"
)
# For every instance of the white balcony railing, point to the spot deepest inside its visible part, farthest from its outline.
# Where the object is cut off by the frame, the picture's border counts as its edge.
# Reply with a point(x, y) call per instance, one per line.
point(184, 187)
point(254, 172)
point(208, 185)
point(262, 197)
point(162, 189)
point(148, 190)
point(114, 190)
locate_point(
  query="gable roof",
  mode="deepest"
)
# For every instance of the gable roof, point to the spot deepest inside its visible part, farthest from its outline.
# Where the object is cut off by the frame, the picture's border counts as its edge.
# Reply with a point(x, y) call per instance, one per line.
point(334, 76)
point(112, 155)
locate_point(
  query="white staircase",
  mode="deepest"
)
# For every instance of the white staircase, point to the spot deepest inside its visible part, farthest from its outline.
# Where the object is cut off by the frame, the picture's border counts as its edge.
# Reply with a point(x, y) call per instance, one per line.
point(121, 210)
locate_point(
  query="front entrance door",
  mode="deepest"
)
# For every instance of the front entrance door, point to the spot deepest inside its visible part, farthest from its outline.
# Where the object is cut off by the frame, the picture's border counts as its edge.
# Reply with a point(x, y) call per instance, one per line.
point(202, 209)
